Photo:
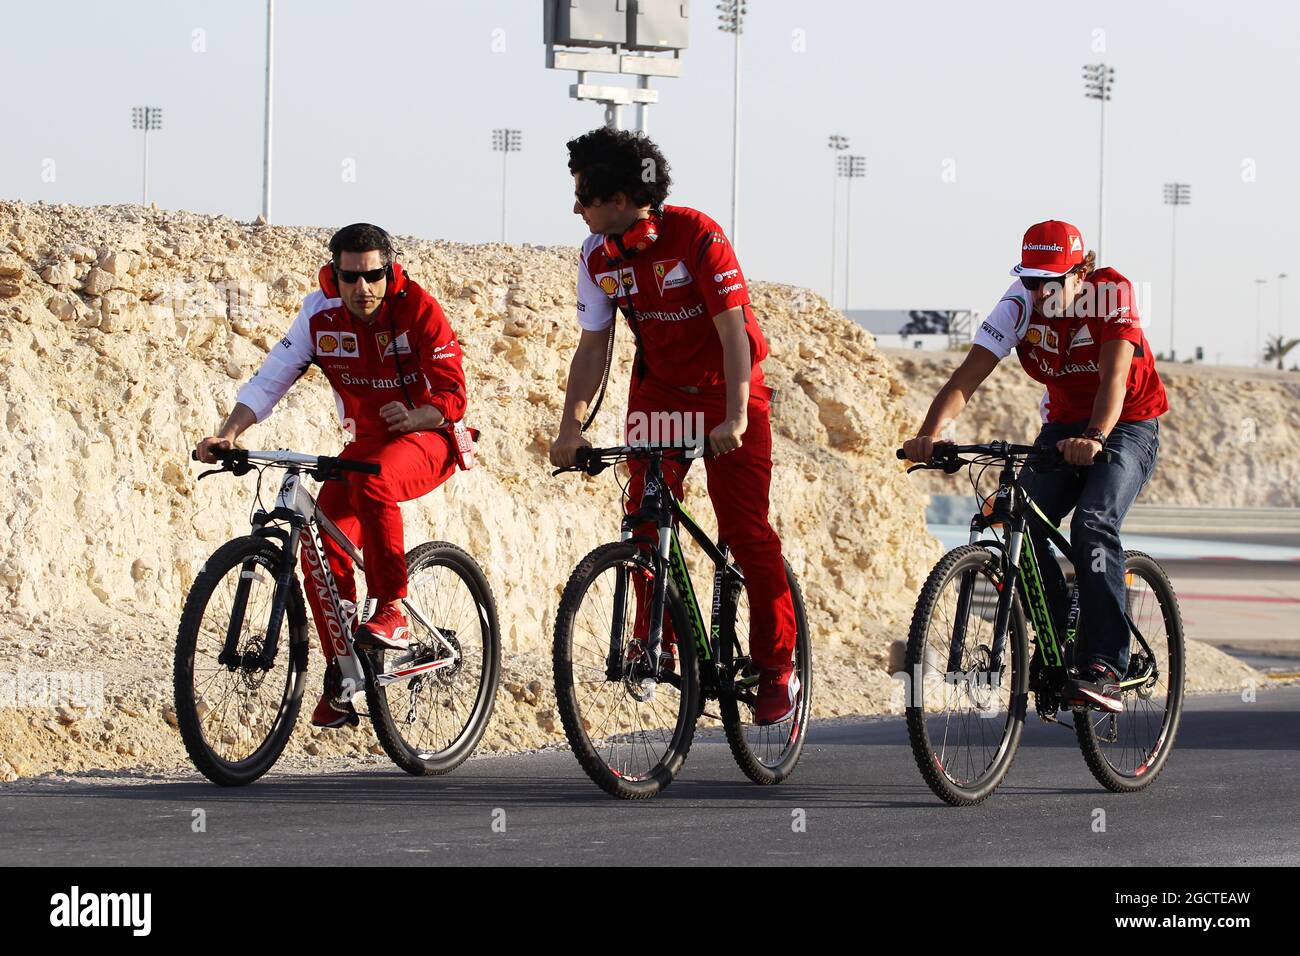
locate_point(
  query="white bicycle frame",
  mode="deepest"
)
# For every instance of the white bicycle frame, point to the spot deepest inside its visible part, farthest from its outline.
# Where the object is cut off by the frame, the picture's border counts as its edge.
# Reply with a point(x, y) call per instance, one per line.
point(294, 497)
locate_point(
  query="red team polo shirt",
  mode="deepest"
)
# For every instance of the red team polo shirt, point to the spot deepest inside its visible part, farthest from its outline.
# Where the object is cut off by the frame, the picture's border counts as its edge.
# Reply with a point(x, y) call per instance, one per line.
point(1063, 353)
point(677, 286)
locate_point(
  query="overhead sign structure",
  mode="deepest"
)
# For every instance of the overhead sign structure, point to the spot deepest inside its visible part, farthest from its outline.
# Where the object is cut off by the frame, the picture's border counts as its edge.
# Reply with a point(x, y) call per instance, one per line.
point(640, 38)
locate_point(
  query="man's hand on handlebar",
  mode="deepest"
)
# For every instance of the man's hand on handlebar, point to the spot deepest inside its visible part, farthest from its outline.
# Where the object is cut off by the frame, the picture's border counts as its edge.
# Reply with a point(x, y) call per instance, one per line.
point(564, 450)
point(921, 448)
point(203, 450)
point(1079, 451)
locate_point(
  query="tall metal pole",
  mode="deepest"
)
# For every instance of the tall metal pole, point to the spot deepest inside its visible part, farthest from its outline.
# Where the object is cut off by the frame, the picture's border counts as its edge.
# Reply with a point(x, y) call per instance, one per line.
point(837, 143)
point(505, 154)
point(144, 186)
point(1259, 341)
point(1098, 80)
point(848, 239)
point(1280, 277)
point(1101, 188)
point(1176, 194)
point(731, 19)
point(266, 130)
point(1173, 262)
point(735, 146)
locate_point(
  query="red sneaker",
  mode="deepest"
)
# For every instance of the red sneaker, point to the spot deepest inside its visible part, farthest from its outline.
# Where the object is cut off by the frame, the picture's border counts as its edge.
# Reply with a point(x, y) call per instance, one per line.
point(778, 696)
point(388, 628)
point(327, 715)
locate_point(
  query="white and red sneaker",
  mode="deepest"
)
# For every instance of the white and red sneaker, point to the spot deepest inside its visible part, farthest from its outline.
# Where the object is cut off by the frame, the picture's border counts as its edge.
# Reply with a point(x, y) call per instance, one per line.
point(778, 696)
point(389, 628)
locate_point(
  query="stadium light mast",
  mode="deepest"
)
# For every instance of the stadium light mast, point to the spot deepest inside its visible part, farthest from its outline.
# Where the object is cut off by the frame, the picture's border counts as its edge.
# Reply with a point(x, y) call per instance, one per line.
point(1176, 194)
point(146, 118)
point(505, 142)
point(837, 143)
point(1098, 78)
point(1280, 277)
point(850, 168)
point(731, 19)
point(1259, 341)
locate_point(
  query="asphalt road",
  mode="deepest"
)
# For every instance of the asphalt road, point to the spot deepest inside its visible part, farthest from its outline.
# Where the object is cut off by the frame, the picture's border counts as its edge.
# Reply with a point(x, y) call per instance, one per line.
point(1227, 796)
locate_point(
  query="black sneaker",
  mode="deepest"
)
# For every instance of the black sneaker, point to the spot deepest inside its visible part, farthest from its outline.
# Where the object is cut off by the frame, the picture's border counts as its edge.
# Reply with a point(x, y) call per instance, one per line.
point(1096, 686)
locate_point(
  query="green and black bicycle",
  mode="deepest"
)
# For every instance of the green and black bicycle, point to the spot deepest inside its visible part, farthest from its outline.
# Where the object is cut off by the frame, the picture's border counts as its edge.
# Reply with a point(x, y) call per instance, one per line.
point(971, 662)
point(629, 690)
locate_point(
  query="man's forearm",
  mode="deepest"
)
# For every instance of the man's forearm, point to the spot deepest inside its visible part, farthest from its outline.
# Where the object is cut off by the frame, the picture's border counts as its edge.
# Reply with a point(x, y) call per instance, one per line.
point(737, 363)
point(1108, 405)
point(946, 406)
point(585, 372)
point(240, 419)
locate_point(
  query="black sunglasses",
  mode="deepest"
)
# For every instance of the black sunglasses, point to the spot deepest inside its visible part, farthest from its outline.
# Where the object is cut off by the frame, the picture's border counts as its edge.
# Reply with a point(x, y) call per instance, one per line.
point(370, 275)
point(1034, 283)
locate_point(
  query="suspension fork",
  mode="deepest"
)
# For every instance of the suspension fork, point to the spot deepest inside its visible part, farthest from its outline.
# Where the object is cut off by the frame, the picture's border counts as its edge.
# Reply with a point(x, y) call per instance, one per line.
point(1002, 618)
point(283, 581)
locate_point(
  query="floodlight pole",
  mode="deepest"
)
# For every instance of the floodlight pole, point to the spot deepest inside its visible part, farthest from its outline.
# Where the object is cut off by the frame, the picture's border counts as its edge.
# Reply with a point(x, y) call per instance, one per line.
point(836, 143)
point(1176, 194)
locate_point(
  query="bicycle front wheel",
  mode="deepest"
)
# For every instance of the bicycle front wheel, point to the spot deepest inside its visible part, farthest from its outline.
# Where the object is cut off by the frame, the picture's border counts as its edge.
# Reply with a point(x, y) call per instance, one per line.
point(431, 704)
point(1127, 751)
point(964, 716)
point(236, 717)
point(766, 754)
point(629, 727)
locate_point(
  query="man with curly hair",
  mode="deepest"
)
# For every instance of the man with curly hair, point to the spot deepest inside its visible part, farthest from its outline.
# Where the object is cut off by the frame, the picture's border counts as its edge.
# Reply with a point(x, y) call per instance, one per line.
point(674, 275)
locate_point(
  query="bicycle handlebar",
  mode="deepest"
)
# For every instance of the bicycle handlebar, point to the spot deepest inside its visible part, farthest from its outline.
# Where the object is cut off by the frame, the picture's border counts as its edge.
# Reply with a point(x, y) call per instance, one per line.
point(593, 461)
point(946, 455)
point(239, 460)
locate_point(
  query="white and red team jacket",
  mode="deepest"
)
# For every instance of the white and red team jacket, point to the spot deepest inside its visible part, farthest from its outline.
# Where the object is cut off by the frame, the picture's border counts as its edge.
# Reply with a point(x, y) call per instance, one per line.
point(1064, 353)
point(677, 286)
point(409, 338)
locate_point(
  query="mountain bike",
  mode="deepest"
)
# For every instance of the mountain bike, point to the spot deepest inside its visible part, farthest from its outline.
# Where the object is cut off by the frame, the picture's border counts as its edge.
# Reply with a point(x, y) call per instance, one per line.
point(971, 662)
point(629, 695)
point(241, 648)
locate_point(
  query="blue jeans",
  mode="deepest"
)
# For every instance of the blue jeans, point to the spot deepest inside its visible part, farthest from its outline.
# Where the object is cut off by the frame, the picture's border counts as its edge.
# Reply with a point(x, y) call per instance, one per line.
point(1101, 496)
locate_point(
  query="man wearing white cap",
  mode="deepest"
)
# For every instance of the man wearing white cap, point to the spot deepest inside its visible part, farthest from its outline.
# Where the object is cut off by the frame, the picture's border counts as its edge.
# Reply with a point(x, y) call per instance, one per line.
point(1076, 329)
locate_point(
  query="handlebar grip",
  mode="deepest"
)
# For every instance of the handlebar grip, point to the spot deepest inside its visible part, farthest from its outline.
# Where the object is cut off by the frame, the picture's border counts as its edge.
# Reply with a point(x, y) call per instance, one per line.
point(349, 464)
point(900, 455)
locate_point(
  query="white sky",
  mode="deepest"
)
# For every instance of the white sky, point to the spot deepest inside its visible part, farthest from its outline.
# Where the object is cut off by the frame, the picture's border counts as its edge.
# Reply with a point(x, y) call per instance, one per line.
point(411, 90)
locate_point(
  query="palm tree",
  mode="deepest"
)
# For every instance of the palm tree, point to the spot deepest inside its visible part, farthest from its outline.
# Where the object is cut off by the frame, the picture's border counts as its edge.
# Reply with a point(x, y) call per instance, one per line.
point(1276, 347)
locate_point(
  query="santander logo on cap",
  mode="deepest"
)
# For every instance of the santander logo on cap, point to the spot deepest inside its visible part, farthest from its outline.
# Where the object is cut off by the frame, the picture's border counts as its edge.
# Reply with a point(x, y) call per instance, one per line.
point(1050, 248)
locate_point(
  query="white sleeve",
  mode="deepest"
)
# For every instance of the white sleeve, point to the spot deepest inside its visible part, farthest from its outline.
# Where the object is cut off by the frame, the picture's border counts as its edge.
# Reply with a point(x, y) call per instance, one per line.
point(1006, 324)
point(595, 308)
point(283, 365)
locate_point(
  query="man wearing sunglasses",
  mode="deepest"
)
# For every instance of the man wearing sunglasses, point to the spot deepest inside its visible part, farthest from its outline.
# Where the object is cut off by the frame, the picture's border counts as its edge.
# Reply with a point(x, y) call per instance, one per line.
point(394, 365)
point(1076, 329)
point(674, 275)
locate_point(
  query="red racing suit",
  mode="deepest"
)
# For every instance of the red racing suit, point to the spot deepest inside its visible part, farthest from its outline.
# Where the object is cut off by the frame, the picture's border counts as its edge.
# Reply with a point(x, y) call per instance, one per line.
point(406, 352)
point(677, 286)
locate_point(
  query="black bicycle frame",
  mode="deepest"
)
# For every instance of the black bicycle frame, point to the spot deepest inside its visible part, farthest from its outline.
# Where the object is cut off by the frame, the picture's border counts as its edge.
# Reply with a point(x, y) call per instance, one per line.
point(660, 505)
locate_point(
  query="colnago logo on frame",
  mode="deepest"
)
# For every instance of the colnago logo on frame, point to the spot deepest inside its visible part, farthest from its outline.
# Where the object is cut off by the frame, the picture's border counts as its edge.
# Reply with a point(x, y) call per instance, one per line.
point(77, 909)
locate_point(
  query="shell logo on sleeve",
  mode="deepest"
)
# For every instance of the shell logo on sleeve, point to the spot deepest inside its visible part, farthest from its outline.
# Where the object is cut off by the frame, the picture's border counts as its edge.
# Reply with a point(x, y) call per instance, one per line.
point(609, 282)
point(327, 343)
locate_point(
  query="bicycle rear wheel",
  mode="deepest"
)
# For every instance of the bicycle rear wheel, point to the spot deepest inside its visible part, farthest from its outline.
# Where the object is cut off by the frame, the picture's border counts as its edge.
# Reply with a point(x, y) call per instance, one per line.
point(431, 722)
point(236, 719)
point(766, 754)
point(629, 730)
point(964, 719)
point(1127, 751)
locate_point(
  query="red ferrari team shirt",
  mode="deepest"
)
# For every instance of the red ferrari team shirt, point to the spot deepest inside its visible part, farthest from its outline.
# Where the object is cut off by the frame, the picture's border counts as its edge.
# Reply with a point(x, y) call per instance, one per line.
point(1064, 353)
point(677, 286)
point(408, 350)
